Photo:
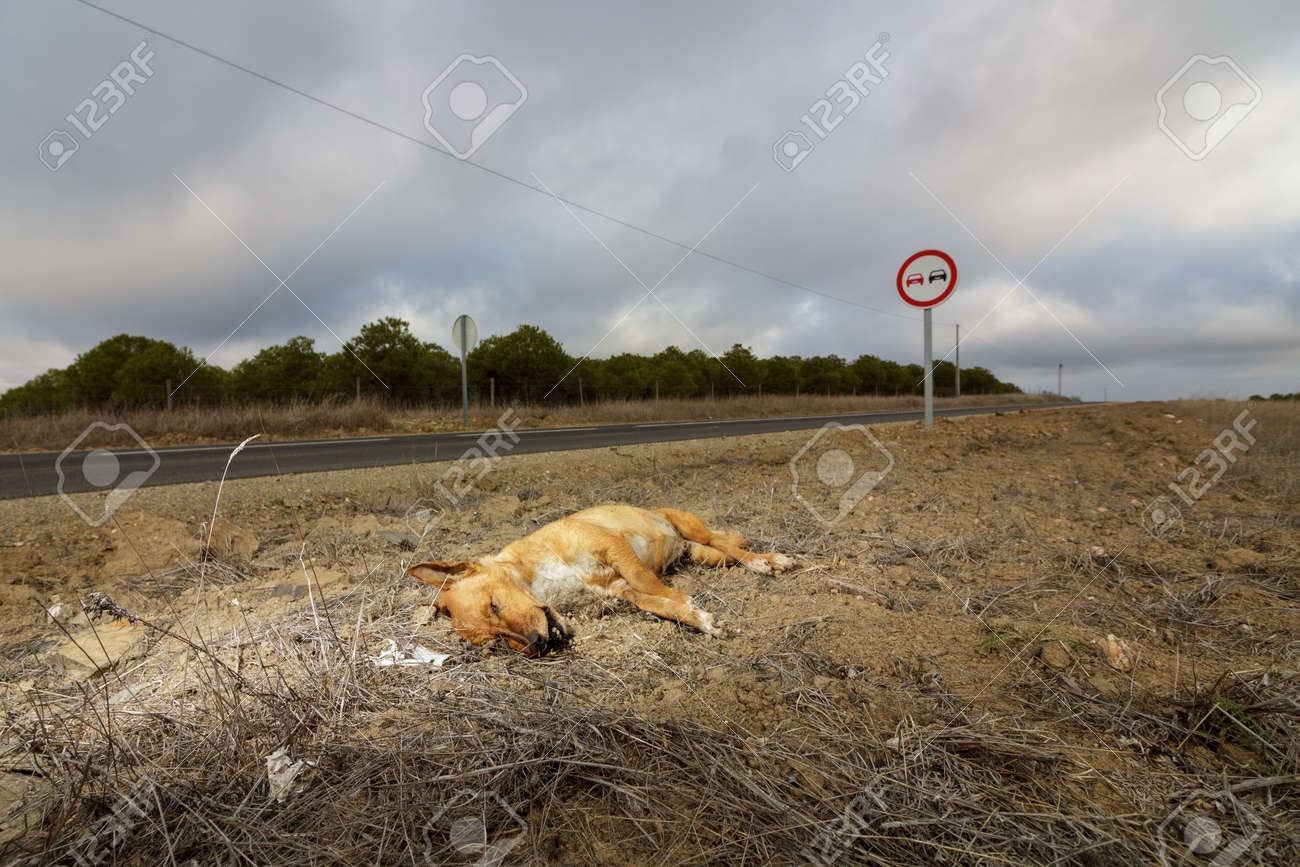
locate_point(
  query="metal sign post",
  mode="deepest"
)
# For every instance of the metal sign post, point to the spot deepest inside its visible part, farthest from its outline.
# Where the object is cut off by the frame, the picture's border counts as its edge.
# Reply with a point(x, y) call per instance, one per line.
point(928, 363)
point(464, 334)
point(926, 280)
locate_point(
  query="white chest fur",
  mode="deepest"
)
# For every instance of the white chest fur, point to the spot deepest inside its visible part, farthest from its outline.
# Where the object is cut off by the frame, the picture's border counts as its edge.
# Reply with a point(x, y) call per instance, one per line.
point(562, 584)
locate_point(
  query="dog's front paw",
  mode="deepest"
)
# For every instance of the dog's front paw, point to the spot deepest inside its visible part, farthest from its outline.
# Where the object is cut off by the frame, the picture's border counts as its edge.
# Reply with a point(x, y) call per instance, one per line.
point(705, 623)
point(759, 565)
point(781, 562)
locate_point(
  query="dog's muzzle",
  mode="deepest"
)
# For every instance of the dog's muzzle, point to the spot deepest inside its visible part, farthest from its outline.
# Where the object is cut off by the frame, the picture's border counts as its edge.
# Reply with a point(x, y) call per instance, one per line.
point(556, 637)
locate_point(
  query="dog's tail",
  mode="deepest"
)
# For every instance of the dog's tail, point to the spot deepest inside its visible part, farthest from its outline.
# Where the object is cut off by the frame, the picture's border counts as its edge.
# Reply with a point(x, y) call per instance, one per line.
point(695, 530)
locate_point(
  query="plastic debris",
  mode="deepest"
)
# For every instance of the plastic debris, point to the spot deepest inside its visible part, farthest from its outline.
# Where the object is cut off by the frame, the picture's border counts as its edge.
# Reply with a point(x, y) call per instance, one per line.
point(411, 654)
point(281, 773)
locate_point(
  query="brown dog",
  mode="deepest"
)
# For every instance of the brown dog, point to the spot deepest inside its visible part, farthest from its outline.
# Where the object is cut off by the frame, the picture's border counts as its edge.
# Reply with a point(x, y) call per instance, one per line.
point(617, 550)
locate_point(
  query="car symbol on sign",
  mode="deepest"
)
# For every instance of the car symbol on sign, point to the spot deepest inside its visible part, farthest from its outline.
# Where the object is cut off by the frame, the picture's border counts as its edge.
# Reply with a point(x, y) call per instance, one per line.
point(915, 280)
point(937, 274)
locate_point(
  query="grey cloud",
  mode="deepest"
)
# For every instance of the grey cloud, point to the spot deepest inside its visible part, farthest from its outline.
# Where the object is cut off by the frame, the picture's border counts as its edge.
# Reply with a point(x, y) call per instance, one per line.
point(1019, 117)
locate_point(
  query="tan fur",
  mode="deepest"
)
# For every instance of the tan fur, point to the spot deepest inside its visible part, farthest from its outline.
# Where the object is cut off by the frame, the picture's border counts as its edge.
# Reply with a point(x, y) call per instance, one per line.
point(614, 549)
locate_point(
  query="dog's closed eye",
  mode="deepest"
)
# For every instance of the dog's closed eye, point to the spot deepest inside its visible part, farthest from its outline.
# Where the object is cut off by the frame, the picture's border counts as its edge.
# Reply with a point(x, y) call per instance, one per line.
point(496, 610)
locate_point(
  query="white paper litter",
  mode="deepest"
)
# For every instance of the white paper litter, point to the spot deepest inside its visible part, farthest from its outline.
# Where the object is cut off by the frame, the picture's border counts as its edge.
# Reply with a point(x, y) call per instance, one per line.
point(281, 771)
point(411, 654)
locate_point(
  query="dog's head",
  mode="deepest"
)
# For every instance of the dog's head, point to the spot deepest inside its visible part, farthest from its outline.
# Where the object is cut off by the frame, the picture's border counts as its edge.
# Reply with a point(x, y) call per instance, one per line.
point(487, 602)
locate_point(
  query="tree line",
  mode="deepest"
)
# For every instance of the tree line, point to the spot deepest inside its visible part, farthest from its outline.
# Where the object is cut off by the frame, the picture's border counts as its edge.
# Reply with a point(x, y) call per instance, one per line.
point(390, 363)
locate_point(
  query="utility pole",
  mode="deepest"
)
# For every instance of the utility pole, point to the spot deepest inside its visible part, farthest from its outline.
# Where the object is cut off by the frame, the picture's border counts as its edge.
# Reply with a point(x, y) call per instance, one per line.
point(957, 362)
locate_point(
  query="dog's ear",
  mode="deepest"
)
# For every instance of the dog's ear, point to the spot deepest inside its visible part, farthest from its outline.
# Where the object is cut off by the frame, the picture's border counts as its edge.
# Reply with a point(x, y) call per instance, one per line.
point(439, 572)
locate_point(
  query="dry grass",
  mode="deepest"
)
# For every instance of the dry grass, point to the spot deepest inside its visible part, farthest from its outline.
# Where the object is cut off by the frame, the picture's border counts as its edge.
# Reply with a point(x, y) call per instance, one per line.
point(190, 424)
point(552, 747)
point(1275, 456)
point(556, 762)
point(337, 419)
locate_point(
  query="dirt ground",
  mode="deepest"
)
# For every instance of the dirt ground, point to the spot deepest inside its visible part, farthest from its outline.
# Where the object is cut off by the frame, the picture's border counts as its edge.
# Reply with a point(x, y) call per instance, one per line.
point(1001, 591)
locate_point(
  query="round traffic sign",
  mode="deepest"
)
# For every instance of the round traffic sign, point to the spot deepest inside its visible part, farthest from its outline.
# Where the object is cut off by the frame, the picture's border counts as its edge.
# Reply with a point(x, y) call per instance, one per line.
point(927, 278)
point(464, 334)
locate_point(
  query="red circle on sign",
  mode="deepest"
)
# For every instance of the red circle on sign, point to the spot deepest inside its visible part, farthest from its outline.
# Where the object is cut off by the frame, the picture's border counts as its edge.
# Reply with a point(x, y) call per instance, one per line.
point(951, 278)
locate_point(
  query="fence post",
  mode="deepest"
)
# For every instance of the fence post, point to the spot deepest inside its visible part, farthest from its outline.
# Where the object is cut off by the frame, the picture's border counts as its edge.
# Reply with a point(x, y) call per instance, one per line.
point(581, 401)
point(169, 394)
point(358, 389)
point(492, 390)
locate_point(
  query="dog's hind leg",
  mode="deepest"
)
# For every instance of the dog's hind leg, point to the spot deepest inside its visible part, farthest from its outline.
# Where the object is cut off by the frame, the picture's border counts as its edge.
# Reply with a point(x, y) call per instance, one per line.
point(642, 588)
point(731, 545)
point(708, 556)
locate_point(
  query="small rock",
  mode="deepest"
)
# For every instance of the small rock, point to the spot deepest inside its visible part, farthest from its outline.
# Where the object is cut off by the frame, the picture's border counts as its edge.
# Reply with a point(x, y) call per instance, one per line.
point(1115, 653)
point(1055, 655)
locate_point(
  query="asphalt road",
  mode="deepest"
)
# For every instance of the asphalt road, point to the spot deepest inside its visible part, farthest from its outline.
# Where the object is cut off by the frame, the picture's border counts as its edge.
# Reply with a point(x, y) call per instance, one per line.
point(40, 473)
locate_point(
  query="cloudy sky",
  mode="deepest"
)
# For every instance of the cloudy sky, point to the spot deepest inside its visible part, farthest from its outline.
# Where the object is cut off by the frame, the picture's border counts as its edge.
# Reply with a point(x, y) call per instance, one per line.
point(1021, 138)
